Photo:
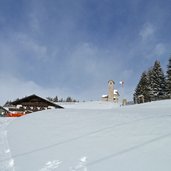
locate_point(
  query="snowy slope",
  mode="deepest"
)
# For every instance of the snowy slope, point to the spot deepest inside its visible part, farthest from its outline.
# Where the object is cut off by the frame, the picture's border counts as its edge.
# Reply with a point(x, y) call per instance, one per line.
point(132, 138)
point(91, 105)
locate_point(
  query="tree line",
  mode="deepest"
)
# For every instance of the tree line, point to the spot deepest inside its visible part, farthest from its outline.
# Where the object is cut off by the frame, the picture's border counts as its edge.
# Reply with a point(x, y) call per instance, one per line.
point(52, 99)
point(55, 99)
point(154, 84)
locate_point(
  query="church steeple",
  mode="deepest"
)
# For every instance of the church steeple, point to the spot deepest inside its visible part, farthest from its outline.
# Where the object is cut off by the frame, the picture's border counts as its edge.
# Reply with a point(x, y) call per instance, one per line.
point(110, 90)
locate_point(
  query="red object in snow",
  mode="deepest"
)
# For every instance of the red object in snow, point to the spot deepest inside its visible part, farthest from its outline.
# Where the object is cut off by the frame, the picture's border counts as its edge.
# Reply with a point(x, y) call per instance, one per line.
point(14, 114)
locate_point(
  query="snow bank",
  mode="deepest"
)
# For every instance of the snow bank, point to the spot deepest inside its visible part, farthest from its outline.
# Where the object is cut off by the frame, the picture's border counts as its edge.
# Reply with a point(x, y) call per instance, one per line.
point(135, 138)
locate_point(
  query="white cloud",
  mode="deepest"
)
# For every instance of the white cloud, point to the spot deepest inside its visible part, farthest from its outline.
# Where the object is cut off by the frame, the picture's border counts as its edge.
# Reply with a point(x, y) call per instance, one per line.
point(95, 61)
point(13, 87)
point(19, 48)
point(95, 66)
point(83, 58)
point(151, 46)
point(147, 31)
point(30, 45)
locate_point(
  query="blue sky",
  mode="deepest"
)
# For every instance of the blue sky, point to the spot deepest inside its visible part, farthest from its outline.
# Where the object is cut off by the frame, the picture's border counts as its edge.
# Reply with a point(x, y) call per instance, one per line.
point(73, 47)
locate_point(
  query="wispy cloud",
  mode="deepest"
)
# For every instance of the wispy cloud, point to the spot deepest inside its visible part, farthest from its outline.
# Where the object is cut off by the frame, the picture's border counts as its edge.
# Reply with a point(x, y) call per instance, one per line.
point(75, 48)
point(13, 87)
point(147, 31)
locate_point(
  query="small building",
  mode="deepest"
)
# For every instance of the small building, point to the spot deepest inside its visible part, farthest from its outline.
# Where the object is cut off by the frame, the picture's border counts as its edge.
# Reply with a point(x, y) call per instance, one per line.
point(113, 94)
point(32, 103)
point(3, 111)
point(141, 98)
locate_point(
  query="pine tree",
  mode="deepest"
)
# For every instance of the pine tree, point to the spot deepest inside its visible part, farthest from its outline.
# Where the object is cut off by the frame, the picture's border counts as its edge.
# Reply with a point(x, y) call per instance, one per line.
point(55, 99)
point(69, 99)
point(157, 82)
point(168, 80)
point(137, 93)
point(7, 104)
point(145, 89)
point(49, 98)
point(142, 89)
point(150, 83)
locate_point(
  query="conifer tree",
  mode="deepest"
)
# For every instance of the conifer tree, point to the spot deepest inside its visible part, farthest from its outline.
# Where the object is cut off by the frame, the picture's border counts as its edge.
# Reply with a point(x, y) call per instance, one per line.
point(157, 82)
point(142, 89)
point(137, 92)
point(55, 99)
point(150, 83)
point(168, 79)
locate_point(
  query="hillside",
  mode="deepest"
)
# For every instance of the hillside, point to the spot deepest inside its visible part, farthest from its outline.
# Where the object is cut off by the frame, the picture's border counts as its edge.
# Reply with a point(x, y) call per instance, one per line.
point(92, 136)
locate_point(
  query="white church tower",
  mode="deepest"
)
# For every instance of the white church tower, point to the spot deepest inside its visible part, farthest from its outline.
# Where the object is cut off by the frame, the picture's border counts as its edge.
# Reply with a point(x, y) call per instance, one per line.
point(110, 90)
point(113, 94)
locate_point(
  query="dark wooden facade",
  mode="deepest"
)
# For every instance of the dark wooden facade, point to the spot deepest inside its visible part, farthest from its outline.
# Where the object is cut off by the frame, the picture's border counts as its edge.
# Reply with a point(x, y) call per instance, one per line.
point(34, 103)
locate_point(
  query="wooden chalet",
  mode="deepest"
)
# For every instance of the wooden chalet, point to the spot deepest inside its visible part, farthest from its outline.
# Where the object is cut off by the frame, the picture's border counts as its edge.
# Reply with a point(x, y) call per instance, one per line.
point(33, 103)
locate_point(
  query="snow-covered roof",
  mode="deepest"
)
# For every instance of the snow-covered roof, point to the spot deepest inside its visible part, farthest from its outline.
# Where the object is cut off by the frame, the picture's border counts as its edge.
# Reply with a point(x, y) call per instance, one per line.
point(104, 96)
point(115, 92)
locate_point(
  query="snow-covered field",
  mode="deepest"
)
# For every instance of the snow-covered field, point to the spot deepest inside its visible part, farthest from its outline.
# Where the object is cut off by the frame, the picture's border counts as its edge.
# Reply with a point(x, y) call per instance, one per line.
point(90, 136)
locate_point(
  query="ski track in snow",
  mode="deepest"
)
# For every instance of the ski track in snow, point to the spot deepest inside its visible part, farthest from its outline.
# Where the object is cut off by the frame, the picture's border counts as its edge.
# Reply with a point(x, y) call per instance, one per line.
point(152, 130)
point(6, 160)
point(99, 131)
point(81, 166)
point(127, 150)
